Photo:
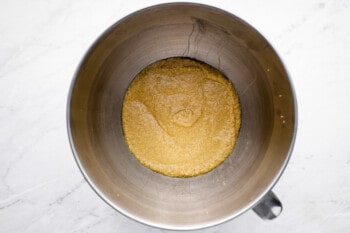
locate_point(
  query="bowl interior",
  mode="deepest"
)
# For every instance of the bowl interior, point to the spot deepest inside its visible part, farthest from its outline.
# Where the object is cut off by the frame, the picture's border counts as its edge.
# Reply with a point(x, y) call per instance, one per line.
point(220, 40)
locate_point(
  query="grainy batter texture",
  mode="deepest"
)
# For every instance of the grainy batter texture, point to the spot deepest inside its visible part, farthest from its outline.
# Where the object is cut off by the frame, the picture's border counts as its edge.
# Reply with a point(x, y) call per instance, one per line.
point(181, 117)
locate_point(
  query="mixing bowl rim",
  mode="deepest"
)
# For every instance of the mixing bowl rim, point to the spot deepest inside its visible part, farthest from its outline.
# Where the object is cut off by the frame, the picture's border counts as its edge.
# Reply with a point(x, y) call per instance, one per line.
point(144, 220)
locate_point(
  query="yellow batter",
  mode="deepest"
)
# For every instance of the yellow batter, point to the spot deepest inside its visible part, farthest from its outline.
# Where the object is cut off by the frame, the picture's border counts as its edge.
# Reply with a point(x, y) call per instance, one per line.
point(181, 117)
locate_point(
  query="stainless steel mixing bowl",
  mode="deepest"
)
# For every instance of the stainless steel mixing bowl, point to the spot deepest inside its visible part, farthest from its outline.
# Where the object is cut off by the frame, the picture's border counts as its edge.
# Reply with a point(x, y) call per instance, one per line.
point(266, 137)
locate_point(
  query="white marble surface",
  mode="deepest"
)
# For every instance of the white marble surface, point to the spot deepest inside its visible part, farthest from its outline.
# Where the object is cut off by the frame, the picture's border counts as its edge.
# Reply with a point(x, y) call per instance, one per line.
point(41, 44)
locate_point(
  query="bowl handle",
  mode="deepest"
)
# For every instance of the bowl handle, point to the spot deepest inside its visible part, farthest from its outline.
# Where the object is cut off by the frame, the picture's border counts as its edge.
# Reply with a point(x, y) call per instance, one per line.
point(269, 207)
